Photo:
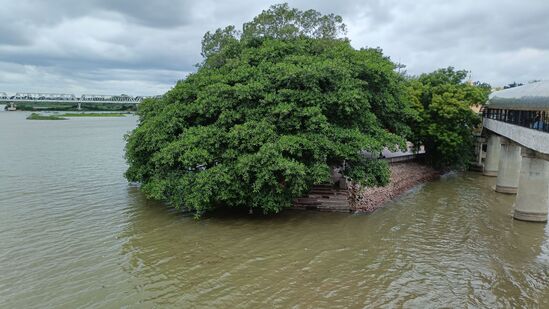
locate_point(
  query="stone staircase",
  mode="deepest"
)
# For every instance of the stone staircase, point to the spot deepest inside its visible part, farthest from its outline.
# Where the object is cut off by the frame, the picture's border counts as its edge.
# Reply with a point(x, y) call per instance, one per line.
point(324, 197)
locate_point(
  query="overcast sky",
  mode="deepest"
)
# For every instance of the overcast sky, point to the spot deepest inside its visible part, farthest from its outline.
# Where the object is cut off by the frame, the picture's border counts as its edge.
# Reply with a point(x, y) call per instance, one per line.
point(142, 47)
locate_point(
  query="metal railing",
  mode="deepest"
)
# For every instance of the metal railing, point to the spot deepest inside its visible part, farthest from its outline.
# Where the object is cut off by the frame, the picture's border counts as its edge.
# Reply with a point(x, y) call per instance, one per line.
point(537, 120)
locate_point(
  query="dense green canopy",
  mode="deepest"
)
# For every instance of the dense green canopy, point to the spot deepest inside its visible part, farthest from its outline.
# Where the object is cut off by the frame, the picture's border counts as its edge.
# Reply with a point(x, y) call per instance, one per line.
point(267, 114)
point(444, 100)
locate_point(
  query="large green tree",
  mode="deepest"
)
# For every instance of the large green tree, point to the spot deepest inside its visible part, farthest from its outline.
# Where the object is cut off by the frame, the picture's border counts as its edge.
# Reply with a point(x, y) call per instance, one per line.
point(444, 100)
point(269, 112)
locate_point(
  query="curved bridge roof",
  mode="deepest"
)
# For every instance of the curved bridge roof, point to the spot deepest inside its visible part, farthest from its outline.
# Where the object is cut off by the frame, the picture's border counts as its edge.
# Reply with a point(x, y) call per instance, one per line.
point(534, 96)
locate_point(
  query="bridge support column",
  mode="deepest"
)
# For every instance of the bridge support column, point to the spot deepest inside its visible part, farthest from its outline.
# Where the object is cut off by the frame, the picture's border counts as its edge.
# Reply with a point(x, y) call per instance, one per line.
point(492, 156)
point(79, 106)
point(509, 168)
point(532, 202)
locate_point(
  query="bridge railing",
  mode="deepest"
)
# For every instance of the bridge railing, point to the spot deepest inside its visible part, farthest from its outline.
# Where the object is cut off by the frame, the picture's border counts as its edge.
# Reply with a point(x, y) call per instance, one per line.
point(537, 120)
point(111, 98)
point(44, 96)
point(28, 97)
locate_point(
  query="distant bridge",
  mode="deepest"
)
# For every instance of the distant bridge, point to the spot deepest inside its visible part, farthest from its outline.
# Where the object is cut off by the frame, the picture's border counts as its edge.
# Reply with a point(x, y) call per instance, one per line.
point(28, 97)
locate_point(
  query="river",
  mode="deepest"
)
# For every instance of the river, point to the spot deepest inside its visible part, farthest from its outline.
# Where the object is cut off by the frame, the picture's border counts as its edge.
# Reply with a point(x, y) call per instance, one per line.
point(74, 233)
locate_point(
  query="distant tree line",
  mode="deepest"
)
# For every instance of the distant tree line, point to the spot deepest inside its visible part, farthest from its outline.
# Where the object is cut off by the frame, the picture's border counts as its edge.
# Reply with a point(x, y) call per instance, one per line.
point(64, 106)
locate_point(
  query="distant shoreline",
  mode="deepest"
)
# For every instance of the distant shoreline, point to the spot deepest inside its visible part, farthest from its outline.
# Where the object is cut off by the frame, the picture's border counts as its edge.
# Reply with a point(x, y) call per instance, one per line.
point(69, 107)
point(66, 116)
point(94, 114)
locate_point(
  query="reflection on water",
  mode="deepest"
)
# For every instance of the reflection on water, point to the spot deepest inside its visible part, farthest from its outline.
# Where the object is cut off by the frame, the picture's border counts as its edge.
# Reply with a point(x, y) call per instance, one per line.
point(74, 233)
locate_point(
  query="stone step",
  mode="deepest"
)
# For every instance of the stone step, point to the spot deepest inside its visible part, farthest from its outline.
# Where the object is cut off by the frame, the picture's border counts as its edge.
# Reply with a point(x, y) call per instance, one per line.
point(346, 206)
point(321, 199)
point(324, 202)
point(328, 192)
point(325, 196)
point(306, 201)
point(340, 208)
point(334, 209)
point(334, 205)
point(324, 186)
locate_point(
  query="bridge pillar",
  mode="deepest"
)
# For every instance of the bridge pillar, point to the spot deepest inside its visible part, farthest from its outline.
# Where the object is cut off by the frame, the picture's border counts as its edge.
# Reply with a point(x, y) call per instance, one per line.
point(79, 106)
point(492, 156)
point(509, 168)
point(532, 202)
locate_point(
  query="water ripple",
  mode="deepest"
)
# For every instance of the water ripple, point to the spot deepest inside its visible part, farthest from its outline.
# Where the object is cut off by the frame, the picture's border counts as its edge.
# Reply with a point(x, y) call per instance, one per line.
point(74, 233)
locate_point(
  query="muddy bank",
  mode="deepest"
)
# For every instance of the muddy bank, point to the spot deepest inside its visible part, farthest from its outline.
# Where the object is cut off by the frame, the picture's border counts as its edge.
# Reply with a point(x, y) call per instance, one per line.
point(404, 176)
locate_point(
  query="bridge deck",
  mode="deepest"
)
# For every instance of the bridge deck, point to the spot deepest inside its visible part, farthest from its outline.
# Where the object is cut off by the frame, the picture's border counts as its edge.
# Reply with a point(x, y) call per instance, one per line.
point(534, 139)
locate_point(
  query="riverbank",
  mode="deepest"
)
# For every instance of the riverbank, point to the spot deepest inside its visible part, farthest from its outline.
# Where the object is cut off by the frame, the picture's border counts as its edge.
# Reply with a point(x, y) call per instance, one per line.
point(66, 116)
point(35, 116)
point(355, 198)
point(94, 114)
point(404, 176)
point(69, 107)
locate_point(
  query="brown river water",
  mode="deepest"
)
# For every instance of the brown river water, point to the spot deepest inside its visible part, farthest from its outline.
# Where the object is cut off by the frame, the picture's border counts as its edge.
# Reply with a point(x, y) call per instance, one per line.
point(75, 234)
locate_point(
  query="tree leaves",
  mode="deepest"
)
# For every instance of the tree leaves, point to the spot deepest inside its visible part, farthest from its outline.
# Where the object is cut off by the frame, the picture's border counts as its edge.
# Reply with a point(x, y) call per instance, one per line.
point(444, 100)
point(268, 114)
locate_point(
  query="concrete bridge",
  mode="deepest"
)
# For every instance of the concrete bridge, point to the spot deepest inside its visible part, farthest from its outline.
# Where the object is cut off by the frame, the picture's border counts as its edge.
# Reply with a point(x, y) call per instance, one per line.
point(516, 127)
point(29, 97)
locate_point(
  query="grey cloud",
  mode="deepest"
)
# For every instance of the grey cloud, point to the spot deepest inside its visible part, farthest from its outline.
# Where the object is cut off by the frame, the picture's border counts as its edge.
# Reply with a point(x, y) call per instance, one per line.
point(136, 46)
point(158, 13)
point(482, 36)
